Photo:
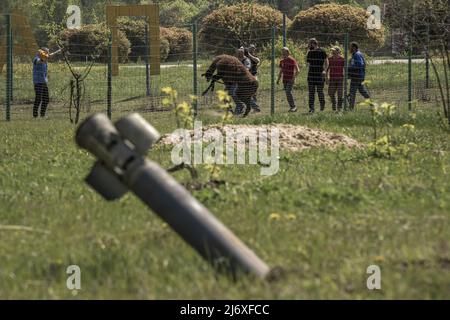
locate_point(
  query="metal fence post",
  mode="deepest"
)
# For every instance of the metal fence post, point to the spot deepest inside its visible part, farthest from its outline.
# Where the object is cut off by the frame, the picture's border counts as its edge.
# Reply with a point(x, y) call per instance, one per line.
point(11, 70)
point(284, 30)
point(272, 74)
point(147, 64)
point(427, 70)
point(194, 64)
point(109, 82)
point(346, 72)
point(427, 60)
point(9, 74)
point(410, 97)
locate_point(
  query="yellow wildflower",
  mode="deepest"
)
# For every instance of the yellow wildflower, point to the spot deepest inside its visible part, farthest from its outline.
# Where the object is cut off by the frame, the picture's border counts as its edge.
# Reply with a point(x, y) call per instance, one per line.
point(274, 217)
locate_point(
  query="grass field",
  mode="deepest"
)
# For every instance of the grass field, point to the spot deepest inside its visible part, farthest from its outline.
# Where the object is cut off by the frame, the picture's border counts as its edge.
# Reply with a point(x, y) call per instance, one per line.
point(339, 213)
point(324, 218)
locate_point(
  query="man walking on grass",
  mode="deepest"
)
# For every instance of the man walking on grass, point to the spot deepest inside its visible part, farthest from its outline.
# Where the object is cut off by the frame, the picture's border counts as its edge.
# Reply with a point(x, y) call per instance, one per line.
point(318, 64)
point(40, 81)
point(335, 73)
point(288, 70)
point(357, 74)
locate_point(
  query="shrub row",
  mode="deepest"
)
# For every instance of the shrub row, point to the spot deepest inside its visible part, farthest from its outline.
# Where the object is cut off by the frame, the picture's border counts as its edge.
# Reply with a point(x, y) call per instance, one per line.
point(92, 40)
point(230, 27)
point(330, 22)
point(233, 26)
point(175, 43)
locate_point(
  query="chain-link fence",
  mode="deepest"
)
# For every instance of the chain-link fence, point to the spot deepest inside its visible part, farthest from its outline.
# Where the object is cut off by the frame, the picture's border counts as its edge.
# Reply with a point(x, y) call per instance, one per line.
point(78, 80)
point(74, 79)
point(3, 71)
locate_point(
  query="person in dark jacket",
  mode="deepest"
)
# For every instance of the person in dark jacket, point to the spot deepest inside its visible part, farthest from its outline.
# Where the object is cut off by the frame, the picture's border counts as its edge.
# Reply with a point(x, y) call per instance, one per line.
point(317, 60)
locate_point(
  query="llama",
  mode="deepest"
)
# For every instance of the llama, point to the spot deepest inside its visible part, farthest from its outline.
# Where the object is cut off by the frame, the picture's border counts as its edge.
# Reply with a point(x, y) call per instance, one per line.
point(231, 71)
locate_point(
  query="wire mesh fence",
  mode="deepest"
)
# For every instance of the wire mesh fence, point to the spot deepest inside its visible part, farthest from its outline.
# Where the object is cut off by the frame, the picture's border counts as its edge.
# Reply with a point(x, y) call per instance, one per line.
point(64, 81)
point(3, 75)
point(136, 87)
point(404, 80)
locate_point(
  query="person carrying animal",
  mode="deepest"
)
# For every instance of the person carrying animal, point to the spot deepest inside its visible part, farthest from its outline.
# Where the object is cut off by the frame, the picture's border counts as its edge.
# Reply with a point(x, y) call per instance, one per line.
point(238, 81)
point(256, 61)
point(242, 55)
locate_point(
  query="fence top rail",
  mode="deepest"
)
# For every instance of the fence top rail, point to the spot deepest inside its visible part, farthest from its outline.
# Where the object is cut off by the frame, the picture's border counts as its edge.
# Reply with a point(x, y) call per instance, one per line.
point(202, 28)
point(313, 31)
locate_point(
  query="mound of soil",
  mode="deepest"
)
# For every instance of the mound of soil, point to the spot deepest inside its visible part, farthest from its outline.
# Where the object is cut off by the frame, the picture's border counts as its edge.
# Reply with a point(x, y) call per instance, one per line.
point(291, 138)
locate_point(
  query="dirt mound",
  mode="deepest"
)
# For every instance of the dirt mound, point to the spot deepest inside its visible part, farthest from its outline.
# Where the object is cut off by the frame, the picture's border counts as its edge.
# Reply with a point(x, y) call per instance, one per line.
point(291, 138)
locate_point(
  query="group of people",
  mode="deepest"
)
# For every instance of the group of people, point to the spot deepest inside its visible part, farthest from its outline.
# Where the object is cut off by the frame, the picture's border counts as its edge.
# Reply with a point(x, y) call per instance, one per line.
point(251, 62)
point(322, 69)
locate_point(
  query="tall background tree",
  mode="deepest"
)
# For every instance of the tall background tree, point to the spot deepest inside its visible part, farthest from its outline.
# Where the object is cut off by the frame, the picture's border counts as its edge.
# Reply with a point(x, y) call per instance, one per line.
point(427, 25)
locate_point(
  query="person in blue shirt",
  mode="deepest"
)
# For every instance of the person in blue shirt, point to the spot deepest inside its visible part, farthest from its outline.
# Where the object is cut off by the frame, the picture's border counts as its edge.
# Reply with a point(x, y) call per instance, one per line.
point(357, 74)
point(40, 81)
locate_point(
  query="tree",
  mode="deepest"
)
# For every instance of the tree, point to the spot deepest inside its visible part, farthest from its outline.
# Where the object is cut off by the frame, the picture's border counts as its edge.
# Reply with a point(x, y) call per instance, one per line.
point(180, 12)
point(427, 23)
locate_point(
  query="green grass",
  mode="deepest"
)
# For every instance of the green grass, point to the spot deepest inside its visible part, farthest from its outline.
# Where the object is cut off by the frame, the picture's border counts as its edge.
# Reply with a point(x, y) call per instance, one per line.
point(388, 82)
point(350, 211)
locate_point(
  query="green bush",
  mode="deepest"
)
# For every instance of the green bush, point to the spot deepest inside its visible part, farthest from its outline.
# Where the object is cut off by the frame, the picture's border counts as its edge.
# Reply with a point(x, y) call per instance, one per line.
point(92, 40)
point(329, 22)
point(164, 49)
point(230, 27)
point(180, 42)
point(134, 30)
